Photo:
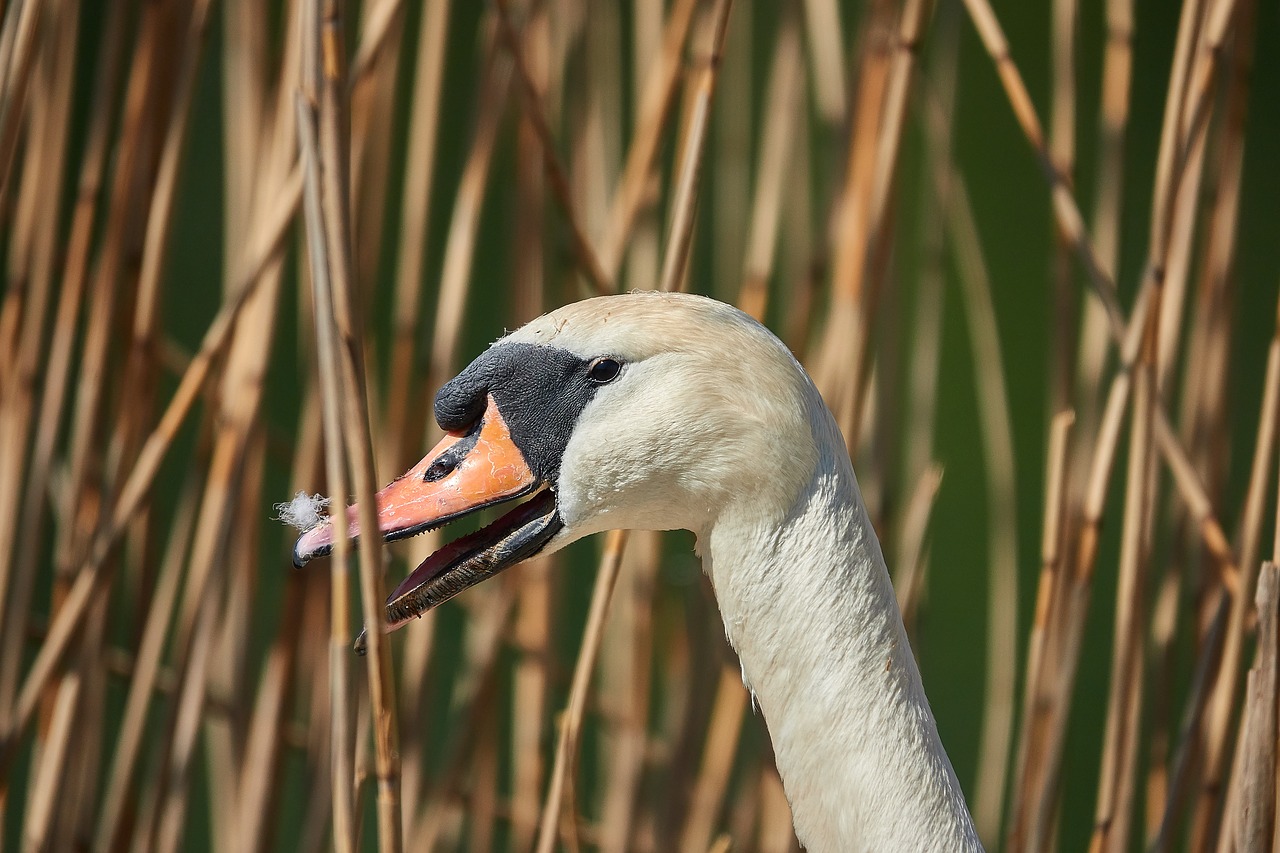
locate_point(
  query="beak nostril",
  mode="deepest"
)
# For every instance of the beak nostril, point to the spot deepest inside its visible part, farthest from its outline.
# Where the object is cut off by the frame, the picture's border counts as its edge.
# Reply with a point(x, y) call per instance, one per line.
point(448, 461)
point(442, 467)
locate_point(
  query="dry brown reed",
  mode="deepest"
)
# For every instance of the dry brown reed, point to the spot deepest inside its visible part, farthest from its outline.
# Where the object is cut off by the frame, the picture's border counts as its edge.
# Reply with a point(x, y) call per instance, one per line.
point(159, 672)
point(355, 426)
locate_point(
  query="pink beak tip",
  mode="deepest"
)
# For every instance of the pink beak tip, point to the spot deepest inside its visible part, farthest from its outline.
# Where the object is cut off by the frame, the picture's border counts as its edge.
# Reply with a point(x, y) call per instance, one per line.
point(313, 543)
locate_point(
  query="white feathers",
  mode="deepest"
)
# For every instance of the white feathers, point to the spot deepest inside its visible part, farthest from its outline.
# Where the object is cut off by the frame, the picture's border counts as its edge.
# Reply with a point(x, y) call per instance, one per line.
point(716, 428)
point(755, 706)
point(303, 512)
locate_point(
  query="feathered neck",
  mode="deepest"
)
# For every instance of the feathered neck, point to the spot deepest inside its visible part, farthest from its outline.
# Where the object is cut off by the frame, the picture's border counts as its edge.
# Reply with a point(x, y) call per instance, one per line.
point(809, 607)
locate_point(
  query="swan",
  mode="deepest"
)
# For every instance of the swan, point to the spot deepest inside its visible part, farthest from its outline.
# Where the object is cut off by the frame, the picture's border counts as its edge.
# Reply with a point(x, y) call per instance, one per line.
point(664, 411)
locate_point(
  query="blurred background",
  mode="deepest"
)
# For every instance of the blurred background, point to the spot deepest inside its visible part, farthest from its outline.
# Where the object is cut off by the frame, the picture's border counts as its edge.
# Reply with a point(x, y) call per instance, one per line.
point(928, 236)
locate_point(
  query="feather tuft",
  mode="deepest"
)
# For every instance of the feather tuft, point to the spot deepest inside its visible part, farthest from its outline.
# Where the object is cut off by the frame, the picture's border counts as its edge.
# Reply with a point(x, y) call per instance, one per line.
point(303, 512)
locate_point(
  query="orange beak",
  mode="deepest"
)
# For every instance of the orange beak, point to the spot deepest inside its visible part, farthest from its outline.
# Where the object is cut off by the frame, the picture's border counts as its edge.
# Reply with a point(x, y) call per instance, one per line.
point(464, 473)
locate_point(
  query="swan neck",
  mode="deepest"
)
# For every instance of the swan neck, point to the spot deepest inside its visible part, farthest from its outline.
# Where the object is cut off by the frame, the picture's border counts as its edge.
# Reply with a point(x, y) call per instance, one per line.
point(808, 605)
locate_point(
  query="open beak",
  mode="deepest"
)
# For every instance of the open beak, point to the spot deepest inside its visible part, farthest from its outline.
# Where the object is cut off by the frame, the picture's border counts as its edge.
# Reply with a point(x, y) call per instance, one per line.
point(463, 474)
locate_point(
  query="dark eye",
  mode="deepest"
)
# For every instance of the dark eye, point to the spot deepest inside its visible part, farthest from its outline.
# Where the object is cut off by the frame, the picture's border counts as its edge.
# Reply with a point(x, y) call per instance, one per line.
point(604, 370)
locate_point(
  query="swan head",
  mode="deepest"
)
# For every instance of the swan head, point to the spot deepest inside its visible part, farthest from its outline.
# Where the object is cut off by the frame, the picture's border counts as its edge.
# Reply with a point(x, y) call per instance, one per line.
point(637, 411)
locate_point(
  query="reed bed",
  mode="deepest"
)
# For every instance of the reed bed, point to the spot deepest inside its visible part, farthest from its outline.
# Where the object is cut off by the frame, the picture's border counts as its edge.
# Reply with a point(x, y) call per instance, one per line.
point(244, 243)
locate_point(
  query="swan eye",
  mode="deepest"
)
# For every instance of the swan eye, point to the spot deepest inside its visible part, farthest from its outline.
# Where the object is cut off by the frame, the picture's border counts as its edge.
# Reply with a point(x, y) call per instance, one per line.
point(604, 370)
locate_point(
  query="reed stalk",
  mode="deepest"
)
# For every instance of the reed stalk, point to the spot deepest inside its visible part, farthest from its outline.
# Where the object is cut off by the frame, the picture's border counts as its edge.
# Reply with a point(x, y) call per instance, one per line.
point(1254, 818)
point(997, 434)
point(347, 338)
point(1117, 71)
point(775, 149)
point(424, 121)
point(560, 789)
point(17, 55)
point(1119, 757)
point(1062, 148)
